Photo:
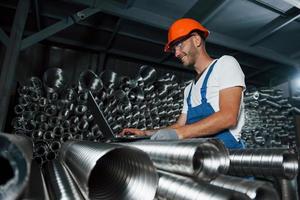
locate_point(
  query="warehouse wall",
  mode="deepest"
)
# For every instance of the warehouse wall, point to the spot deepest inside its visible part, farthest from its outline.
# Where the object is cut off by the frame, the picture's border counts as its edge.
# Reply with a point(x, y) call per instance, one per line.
point(36, 60)
point(2, 53)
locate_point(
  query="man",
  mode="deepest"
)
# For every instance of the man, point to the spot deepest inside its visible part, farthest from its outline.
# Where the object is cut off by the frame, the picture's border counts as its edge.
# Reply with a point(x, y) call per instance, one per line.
point(213, 101)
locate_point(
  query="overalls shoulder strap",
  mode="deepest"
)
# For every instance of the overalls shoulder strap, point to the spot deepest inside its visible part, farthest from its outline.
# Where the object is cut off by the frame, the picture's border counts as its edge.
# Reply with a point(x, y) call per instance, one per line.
point(204, 85)
point(203, 88)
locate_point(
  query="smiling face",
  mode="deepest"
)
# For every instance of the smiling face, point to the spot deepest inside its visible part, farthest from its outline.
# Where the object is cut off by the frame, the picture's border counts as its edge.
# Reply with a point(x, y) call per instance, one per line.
point(186, 50)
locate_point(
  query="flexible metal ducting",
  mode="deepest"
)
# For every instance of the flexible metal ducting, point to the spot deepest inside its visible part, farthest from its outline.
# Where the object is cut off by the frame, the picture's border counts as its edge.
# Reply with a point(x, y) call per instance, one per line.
point(110, 78)
point(107, 171)
point(88, 80)
point(36, 188)
point(59, 183)
point(176, 187)
point(288, 189)
point(34, 82)
point(263, 163)
point(54, 80)
point(148, 74)
point(258, 190)
point(15, 161)
point(205, 158)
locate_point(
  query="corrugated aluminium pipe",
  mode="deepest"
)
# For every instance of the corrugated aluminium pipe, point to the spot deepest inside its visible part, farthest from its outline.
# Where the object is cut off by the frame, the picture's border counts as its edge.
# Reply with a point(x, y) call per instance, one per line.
point(176, 187)
point(36, 188)
point(15, 161)
point(59, 182)
point(110, 78)
point(88, 80)
point(34, 82)
point(205, 158)
point(258, 190)
point(288, 189)
point(263, 163)
point(148, 74)
point(136, 94)
point(107, 171)
point(54, 80)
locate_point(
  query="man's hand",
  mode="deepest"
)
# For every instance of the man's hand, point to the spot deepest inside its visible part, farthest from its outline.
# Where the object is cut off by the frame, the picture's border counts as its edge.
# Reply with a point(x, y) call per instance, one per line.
point(134, 131)
point(165, 134)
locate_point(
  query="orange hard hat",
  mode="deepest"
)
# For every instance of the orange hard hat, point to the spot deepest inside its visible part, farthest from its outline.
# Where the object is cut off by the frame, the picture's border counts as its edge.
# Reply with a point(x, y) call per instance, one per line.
point(183, 27)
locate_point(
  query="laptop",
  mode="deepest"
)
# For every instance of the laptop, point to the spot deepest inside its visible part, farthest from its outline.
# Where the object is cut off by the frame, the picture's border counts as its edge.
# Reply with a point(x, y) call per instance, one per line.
point(104, 126)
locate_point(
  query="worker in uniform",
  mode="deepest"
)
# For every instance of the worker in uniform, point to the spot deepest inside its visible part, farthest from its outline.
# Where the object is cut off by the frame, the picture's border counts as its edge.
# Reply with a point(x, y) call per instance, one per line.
point(213, 102)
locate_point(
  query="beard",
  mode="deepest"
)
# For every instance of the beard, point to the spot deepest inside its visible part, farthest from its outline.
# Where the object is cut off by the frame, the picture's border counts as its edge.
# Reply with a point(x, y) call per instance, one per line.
point(188, 60)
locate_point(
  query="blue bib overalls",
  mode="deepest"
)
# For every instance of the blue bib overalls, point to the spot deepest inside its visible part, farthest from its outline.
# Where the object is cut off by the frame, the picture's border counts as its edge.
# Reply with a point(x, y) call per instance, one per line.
point(204, 110)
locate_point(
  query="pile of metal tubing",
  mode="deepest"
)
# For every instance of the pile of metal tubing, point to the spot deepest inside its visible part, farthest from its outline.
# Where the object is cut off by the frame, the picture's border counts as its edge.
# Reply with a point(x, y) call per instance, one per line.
point(269, 121)
point(83, 170)
point(53, 126)
point(51, 112)
point(186, 169)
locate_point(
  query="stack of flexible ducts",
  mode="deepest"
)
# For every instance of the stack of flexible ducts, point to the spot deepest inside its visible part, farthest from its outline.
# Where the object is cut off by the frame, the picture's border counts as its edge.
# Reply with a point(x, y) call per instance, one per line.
point(51, 113)
point(204, 169)
point(101, 171)
point(84, 170)
point(268, 119)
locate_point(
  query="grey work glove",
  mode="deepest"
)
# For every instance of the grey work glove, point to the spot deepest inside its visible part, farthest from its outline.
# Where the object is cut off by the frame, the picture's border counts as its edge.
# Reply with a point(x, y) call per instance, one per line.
point(165, 134)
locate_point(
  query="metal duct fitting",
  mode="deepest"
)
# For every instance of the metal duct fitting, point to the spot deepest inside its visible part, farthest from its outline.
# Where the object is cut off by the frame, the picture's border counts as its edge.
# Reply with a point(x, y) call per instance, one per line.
point(35, 94)
point(36, 187)
point(107, 171)
point(41, 118)
point(123, 103)
point(22, 90)
point(148, 74)
point(88, 80)
point(80, 110)
point(52, 96)
point(54, 80)
point(110, 78)
point(175, 187)
point(24, 100)
point(55, 146)
point(257, 190)
point(50, 155)
point(69, 95)
point(50, 110)
point(136, 94)
point(59, 183)
point(15, 161)
point(167, 77)
point(34, 82)
point(127, 83)
point(19, 109)
point(82, 97)
point(48, 135)
point(205, 158)
point(163, 89)
point(149, 89)
point(263, 163)
point(42, 102)
point(288, 189)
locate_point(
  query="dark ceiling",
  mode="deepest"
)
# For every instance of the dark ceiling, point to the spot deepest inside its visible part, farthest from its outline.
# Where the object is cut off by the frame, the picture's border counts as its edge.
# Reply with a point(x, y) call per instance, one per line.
point(264, 35)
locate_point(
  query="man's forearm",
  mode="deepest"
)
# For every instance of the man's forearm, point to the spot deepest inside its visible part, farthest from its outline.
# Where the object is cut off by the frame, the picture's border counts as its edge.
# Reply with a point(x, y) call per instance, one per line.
point(208, 126)
point(173, 126)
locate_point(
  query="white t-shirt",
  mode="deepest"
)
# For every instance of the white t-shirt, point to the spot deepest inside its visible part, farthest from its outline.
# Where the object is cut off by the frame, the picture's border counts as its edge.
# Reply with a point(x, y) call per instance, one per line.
point(226, 73)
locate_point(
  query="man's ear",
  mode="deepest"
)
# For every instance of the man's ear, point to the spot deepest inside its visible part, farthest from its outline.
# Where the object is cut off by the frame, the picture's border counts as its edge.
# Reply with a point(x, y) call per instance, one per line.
point(198, 40)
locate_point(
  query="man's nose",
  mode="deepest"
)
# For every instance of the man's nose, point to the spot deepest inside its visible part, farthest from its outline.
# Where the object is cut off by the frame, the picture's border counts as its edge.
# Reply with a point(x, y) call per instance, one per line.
point(177, 52)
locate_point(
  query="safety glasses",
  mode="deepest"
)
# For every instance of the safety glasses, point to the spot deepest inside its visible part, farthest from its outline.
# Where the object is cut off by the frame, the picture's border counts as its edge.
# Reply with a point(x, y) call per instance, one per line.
point(178, 45)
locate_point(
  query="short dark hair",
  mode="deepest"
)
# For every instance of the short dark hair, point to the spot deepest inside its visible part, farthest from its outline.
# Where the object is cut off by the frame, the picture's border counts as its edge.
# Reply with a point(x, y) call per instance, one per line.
point(200, 33)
